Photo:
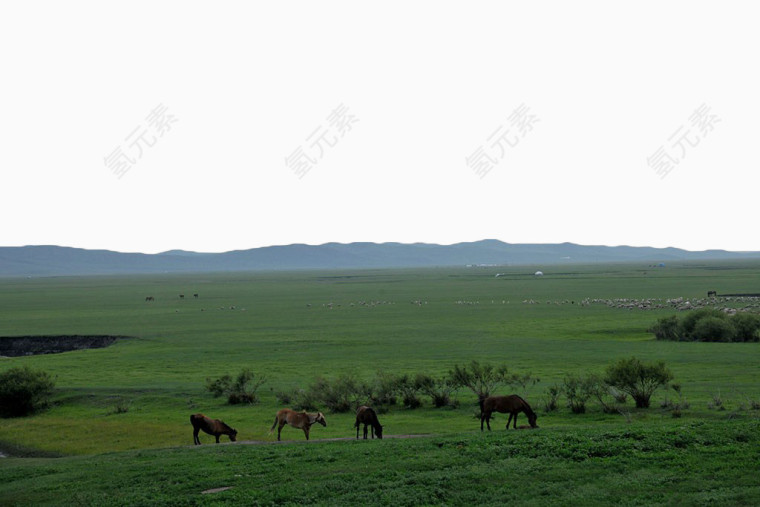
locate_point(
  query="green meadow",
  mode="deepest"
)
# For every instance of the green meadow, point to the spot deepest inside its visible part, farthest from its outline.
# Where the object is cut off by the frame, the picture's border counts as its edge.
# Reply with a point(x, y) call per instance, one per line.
point(292, 327)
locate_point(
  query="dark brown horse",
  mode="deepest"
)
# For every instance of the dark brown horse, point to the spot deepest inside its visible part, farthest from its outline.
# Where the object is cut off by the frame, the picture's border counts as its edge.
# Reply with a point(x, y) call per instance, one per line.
point(511, 404)
point(212, 427)
point(301, 420)
point(368, 417)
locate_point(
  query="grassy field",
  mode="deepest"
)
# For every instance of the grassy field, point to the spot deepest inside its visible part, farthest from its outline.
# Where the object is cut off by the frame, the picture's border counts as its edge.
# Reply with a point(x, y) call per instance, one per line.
point(292, 327)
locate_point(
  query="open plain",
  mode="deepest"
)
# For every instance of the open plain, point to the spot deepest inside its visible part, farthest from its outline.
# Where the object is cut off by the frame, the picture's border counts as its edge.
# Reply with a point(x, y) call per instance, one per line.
point(118, 431)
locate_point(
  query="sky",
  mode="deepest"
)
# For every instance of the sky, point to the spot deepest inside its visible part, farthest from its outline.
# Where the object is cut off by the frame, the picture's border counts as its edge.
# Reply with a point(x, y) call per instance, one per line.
point(149, 126)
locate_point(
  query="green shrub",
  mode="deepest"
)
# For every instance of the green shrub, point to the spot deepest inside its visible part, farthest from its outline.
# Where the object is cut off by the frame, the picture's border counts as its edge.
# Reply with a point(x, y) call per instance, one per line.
point(551, 402)
point(24, 391)
point(439, 389)
point(689, 321)
point(408, 389)
point(240, 390)
point(667, 328)
point(747, 327)
point(709, 325)
point(384, 389)
point(713, 329)
point(577, 390)
point(638, 379)
point(344, 394)
point(481, 379)
point(605, 394)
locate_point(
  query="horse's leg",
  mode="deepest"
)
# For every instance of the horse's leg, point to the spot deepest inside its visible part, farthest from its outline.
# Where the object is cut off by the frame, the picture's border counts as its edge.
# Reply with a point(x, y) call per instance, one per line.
point(196, 440)
point(306, 432)
point(510, 419)
point(372, 431)
point(365, 431)
point(357, 430)
point(279, 429)
point(488, 420)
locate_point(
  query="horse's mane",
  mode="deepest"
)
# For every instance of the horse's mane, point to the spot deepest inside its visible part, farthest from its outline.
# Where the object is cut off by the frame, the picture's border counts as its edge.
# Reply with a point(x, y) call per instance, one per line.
point(527, 405)
point(226, 426)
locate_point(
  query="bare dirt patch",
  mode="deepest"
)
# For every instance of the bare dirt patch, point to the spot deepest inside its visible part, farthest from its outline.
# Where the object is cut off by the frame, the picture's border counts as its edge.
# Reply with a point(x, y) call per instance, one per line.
point(15, 346)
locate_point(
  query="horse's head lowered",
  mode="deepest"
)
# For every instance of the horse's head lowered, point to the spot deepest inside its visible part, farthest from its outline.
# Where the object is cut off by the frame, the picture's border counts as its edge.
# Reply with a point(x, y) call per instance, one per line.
point(320, 418)
point(532, 419)
point(233, 434)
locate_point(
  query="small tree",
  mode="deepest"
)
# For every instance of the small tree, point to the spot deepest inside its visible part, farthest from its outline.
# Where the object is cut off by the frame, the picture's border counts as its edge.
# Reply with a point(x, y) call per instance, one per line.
point(439, 389)
point(667, 328)
point(551, 402)
point(24, 391)
point(690, 320)
point(638, 379)
point(714, 329)
point(384, 389)
point(408, 389)
point(240, 390)
point(747, 327)
point(604, 394)
point(577, 390)
point(480, 379)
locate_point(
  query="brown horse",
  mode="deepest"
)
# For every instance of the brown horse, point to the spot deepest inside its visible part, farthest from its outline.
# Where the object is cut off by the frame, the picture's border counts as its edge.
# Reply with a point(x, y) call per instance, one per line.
point(297, 420)
point(212, 427)
point(367, 416)
point(511, 404)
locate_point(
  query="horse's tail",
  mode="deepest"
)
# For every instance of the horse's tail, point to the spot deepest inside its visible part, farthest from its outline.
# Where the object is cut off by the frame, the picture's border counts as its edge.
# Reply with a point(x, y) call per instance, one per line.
point(276, 419)
point(481, 402)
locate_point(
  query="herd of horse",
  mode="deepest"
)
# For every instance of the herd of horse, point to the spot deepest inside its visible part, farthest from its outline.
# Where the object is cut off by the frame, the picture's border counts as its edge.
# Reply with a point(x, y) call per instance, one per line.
point(366, 416)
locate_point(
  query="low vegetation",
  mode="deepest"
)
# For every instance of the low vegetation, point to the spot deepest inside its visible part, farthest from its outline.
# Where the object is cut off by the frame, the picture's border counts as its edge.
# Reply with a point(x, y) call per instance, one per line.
point(24, 391)
point(241, 389)
point(709, 325)
point(638, 379)
point(693, 445)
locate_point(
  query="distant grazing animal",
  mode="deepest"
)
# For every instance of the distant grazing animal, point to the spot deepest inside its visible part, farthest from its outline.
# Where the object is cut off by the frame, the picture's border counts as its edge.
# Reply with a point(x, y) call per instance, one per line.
point(301, 420)
point(368, 417)
point(511, 404)
point(149, 298)
point(212, 427)
point(195, 296)
point(711, 293)
point(182, 296)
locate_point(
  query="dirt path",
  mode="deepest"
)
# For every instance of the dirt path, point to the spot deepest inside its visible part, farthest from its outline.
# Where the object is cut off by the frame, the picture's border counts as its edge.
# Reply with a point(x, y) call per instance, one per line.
point(303, 441)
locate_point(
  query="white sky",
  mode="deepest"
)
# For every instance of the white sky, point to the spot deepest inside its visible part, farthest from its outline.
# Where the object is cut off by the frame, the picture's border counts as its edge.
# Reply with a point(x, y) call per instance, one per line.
point(607, 84)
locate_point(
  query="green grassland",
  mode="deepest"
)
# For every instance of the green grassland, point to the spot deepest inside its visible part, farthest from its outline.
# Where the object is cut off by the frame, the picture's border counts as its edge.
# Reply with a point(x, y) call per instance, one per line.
point(294, 326)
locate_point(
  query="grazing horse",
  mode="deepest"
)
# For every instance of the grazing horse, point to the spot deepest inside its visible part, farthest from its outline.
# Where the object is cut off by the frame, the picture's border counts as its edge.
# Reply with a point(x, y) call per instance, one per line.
point(195, 296)
point(182, 296)
point(212, 427)
point(301, 420)
point(711, 293)
point(367, 416)
point(149, 298)
point(511, 404)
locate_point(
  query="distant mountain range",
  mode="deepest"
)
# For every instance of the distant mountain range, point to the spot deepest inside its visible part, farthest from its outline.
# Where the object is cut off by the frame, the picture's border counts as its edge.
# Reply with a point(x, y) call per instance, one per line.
point(56, 260)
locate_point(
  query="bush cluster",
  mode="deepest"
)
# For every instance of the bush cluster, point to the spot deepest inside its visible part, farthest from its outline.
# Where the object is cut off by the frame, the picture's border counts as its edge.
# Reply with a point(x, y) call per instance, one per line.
point(346, 392)
point(626, 377)
point(24, 391)
point(240, 390)
point(709, 325)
